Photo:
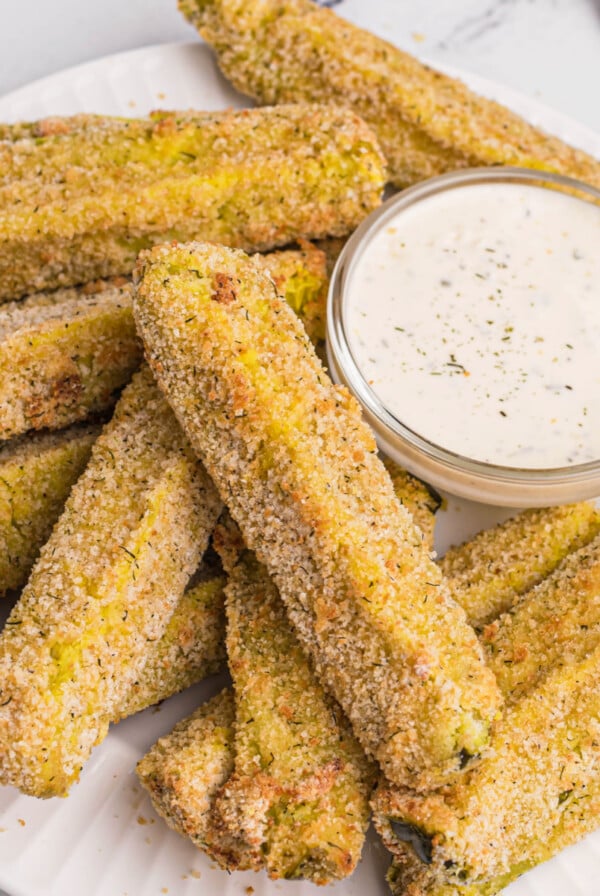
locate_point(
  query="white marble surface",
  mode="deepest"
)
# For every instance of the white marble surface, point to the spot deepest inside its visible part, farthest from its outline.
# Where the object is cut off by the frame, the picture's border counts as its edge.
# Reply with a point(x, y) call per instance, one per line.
point(549, 49)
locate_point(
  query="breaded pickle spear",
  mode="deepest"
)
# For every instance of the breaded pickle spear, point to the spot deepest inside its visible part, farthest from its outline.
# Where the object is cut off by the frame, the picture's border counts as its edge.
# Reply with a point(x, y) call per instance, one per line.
point(427, 123)
point(554, 624)
point(506, 815)
point(420, 499)
point(80, 202)
point(488, 573)
point(192, 647)
point(36, 476)
point(298, 469)
point(409, 877)
point(298, 798)
point(104, 587)
point(183, 771)
point(193, 644)
point(504, 812)
point(64, 355)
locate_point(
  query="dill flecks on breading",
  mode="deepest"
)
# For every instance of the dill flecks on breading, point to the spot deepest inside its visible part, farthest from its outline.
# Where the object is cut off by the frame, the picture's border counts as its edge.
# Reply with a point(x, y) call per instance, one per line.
point(104, 587)
point(298, 470)
point(282, 51)
point(538, 789)
point(257, 179)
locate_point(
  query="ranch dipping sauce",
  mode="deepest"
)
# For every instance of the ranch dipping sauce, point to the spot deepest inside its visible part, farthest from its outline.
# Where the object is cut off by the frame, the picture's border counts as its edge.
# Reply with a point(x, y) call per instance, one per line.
point(474, 316)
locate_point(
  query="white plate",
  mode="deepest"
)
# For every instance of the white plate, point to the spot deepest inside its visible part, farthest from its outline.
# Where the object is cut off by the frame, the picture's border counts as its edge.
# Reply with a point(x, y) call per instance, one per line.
point(105, 839)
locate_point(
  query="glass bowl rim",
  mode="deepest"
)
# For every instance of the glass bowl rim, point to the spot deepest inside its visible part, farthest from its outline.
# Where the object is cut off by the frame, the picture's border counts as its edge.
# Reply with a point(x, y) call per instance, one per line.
point(348, 372)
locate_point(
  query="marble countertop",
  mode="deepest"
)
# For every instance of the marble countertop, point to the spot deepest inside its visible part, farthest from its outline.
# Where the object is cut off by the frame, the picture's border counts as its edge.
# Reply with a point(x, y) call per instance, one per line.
point(549, 49)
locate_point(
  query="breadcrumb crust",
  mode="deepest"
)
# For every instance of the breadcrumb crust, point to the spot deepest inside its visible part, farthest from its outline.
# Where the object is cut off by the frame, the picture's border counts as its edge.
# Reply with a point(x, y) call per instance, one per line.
point(297, 802)
point(104, 587)
point(256, 178)
point(297, 468)
point(538, 788)
point(427, 123)
point(488, 574)
point(36, 476)
point(183, 771)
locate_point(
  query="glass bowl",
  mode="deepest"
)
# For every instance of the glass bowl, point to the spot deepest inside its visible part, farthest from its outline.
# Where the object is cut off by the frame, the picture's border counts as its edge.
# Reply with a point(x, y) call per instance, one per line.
point(466, 477)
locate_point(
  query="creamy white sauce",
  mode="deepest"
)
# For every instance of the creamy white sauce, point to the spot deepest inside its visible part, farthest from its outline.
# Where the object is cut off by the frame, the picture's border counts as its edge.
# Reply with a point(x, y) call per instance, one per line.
point(474, 315)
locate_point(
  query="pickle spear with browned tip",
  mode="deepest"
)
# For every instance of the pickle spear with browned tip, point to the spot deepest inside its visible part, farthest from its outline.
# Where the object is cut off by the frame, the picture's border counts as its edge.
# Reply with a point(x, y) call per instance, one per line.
point(184, 771)
point(298, 469)
point(297, 801)
point(66, 354)
point(538, 788)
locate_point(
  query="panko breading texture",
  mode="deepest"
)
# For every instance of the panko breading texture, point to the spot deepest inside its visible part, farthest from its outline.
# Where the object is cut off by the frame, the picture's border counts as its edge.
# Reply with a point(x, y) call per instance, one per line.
point(420, 499)
point(281, 51)
point(538, 789)
point(297, 467)
point(489, 572)
point(557, 623)
point(105, 585)
point(192, 647)
point(65, 356)
point(36, 476)
point(81, 196)
point(183, 771)
point(297, 802)
point(545, 756)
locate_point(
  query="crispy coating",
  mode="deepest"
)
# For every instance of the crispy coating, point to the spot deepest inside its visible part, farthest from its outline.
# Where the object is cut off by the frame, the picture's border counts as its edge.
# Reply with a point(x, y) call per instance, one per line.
point(488, 574)
point(301, 277)
point(508, 814)
point(556, 623)
point(298, 798)
point(409, 877)
point(427, 123)
point(298, 469)
point(104, 587)
point(82, 199)
point(191, 647)
point(65, 355)
point(36, 476)
point(183, 771)
point(502, 814)
point(420, 499)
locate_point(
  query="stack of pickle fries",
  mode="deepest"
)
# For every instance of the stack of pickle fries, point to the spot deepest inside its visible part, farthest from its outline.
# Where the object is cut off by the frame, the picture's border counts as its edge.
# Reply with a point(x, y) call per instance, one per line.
point(222, 500)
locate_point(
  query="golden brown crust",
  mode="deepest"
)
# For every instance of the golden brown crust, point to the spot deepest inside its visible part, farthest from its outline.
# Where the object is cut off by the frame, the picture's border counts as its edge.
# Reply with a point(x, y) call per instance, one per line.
point(36, 476)
point(529, 795)
point(65, 356)
point(130, 536)
point(489, 573)
point(427, 123)
point(183, 771)
point(256, 178)
point(420, 499)
point(298, 469)
point(191, 647)
point(297, 800)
